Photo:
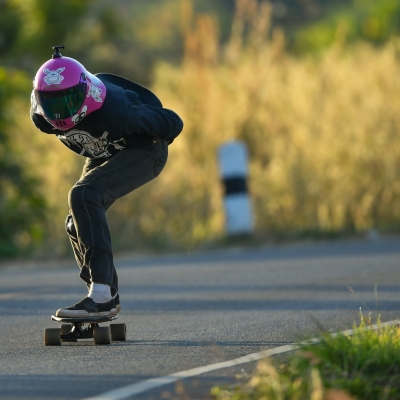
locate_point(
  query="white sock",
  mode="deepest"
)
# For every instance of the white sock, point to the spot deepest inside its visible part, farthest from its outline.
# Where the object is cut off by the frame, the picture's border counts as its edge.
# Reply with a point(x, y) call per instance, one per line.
point(100, 293)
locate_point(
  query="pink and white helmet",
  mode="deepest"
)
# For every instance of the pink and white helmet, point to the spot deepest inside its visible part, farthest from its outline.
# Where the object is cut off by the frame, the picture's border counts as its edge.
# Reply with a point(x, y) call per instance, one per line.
point(66, 92)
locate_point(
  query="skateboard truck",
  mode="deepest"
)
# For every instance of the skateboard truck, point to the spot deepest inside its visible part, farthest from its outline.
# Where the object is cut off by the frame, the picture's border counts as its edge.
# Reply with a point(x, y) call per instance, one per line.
point(77, 331)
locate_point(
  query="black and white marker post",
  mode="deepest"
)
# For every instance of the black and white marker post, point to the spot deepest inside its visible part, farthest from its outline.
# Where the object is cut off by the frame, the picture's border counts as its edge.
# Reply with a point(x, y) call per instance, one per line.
point(233, 163)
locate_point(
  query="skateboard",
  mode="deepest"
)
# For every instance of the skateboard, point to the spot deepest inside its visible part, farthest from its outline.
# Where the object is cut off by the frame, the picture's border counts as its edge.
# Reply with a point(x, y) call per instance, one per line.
point(74, 329)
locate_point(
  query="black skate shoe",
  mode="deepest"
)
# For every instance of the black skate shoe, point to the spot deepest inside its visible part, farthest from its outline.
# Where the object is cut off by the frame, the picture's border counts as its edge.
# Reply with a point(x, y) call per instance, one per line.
point(87, 307)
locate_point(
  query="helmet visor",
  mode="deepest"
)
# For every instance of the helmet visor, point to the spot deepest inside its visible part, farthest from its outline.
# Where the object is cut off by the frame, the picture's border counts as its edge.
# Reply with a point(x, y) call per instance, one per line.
point(62, 104)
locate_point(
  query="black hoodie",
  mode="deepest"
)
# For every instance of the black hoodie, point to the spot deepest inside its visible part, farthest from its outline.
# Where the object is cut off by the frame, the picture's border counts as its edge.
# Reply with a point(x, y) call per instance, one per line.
point(131, 116)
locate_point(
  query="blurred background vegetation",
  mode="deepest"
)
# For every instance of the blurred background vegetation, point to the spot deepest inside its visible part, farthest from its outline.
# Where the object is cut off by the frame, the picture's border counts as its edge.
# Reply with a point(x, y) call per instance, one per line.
point(311, 86)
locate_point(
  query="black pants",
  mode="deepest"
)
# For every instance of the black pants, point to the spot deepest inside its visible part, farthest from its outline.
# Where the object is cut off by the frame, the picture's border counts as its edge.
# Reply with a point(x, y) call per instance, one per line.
point(101, 183)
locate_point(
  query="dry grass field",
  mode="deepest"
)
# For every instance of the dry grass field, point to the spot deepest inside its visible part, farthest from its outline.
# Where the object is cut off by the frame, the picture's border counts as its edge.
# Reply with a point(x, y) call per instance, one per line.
point(322, 132)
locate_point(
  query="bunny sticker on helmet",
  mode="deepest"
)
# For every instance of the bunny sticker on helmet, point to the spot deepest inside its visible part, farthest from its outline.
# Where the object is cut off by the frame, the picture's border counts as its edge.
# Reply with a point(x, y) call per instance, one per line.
point(95, 92)
point(53, 77)
point(95, 81)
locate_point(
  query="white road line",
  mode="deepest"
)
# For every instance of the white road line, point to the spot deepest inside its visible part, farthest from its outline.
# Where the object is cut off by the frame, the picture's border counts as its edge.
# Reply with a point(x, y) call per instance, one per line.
point(128, 391)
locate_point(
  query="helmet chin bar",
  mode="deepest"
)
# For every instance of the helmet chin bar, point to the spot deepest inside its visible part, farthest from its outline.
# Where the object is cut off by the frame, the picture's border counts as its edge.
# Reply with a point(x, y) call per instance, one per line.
point(57, 54)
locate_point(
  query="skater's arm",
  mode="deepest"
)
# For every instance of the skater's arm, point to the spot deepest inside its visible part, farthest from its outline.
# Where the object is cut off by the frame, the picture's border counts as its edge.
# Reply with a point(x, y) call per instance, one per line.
point(154, 121)
point(144, 119)
point(42, 124)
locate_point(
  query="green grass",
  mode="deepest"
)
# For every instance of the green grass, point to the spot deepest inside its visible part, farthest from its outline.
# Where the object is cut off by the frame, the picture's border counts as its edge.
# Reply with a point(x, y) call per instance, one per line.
point(365, 365)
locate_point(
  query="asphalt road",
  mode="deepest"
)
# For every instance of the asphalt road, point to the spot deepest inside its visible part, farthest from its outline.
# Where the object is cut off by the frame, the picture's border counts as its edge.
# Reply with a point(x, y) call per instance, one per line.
point(187, 311)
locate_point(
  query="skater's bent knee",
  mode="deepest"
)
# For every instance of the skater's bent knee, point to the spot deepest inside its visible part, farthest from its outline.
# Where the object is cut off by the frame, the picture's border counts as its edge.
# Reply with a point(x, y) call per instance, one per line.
point(80, 194)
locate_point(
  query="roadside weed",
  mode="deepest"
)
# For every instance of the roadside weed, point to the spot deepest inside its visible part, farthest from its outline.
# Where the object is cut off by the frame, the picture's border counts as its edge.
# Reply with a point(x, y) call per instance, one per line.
point(365, 365)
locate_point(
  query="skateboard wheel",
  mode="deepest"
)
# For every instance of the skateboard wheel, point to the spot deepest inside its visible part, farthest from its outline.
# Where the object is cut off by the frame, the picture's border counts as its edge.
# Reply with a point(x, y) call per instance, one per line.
point(52, 337)
point(102, 335)
point(118, 332)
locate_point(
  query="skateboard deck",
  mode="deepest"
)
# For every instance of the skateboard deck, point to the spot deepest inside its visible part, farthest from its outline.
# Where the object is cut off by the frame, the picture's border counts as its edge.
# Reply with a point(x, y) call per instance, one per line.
point(84, 320)
point(74, 329)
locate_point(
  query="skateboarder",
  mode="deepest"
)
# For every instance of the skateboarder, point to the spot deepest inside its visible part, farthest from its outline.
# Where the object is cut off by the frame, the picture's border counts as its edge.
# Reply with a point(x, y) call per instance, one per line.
point(124, 132)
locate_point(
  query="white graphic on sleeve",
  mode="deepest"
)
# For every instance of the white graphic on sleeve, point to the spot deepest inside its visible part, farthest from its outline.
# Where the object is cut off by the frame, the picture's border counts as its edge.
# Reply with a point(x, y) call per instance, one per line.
point(96, 147)
point(53, 77)
point(95, 92)
point(79, 117)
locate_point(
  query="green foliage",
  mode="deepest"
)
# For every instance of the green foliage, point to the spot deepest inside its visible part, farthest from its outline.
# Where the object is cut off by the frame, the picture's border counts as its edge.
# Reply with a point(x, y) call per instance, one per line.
point(22, 207)
point(365, 365)
point(10, 23)
point(370, 20)
point(28, 30)
point(45, 24)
